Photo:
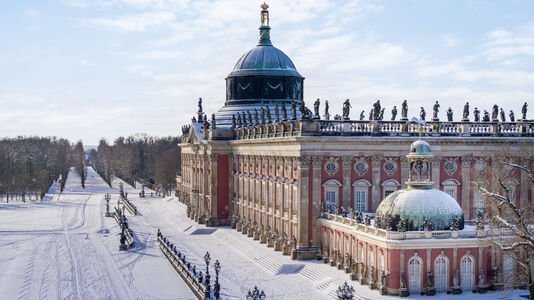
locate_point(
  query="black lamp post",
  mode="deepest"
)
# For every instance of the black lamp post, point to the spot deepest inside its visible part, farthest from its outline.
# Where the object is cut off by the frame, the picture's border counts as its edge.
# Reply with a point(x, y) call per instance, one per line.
point(255, 294)
point(345, 292)
point(207, 291)
point(217, 287)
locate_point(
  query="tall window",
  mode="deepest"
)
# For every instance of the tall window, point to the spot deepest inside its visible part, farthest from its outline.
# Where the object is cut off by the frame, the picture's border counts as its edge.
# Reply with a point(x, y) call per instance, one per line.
point(478, 203)
point(381, 263)
point(271, 193)
point(360, 196)
point(440, 269)
point(264, 195)
point(467, 273)
point(414, 276)
point(361, 254)
point(508, 271)
point(331, 199)
point(279, 196)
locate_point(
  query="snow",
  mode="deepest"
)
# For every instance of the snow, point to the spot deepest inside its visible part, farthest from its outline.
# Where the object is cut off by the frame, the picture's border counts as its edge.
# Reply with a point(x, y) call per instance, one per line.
point(64, 247)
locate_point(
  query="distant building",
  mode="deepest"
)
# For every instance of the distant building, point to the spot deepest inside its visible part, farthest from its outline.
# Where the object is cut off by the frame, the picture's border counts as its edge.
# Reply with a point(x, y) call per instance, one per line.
point(283, 174)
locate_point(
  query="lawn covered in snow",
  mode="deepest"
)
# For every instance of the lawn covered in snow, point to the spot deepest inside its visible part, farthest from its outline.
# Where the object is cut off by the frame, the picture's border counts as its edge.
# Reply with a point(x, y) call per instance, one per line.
point(64, 247)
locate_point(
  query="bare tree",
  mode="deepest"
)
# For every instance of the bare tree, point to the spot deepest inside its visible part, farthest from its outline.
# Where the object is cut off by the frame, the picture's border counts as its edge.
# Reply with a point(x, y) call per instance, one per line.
point(506, 213)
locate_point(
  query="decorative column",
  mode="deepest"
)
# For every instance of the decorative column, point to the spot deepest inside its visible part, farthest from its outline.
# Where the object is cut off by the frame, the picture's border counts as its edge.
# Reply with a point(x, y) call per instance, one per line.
point(346, 162)
point(524, 185)
point(405, 171)
point(303, 216)
point(466, 185)
point(212, 202)
point(436, 171)
point(454, 259)
point(317, 162)
point(376, 162)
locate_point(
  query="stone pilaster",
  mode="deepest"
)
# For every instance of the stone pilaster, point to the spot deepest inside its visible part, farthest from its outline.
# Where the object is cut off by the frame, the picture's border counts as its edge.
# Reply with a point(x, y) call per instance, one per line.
point(428, 260)
point(346, 162)
point(376, 165)
point(303, 170)
point(405, 171)
point(454, 259)
point(524, 186)
point(212, 204)
point(466, 185)
point(317, 162)
point(435, 172)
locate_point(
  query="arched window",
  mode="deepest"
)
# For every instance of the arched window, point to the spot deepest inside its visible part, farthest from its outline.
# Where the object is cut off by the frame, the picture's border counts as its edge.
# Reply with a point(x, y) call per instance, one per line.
point(389, 187)
point(508, 271)
point(371, 259)
point(361, 254)
point(331, 190)
point(414, 275)
point(440, 274)
point(450, 186)
point(361, 189)
point(466, 268)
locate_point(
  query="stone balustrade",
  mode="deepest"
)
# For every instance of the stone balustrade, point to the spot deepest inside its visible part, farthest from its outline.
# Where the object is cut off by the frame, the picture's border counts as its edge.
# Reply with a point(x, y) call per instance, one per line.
point(396, 235)
point(382, 128)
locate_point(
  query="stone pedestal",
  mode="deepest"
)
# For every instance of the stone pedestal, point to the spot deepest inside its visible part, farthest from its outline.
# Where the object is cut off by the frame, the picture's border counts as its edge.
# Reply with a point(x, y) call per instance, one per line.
point(250, 232)
point(404, 292)
point(332, 262)
point(372, 284)
point(277, 246)
point(270, 243)
point(286, 250)
point(430, 291)
point(256, 236)
point(456, 290)
point(353, 276)
point(347, 269)
point(294, 254)
point(238, 227)
point(244, 230)
point(339, 266)
point(263, 239)
point(325, 260)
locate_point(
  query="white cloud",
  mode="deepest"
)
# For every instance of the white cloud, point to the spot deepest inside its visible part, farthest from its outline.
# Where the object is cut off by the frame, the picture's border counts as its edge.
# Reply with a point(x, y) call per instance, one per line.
point(85, 62)
point(451, 40)
point(503, 44)
point(132, 22)
point(141, 69)
point(32, 13)
point(159, 54)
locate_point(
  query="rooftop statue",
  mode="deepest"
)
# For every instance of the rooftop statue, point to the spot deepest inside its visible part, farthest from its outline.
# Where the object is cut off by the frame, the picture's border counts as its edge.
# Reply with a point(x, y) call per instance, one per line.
point(249, 115)
point(449, 114)
point(394, 113)
point(346, 109)
point(302, 110)
point(376, 109)
point(293, 110)
point(476, 112)
point(404, 110)
point(371, 114)
point(422, 114)
point(276, 113)
point(268, 111)
point(234, 122)
point(316, 105)
point(503, 115)
point(326, 107)
point(262, 115)
point(524, 111)
point(466, 112)
point(199, 105)
point(436, 110)
point(256, 119)
point(362, 116)
point(486, 116)
point(512, 116)
point(284, 112)
point(264, 14)
point(239, 122)
point(381, 115)
point(495, 113)
point(213, 122)
point(244, 119)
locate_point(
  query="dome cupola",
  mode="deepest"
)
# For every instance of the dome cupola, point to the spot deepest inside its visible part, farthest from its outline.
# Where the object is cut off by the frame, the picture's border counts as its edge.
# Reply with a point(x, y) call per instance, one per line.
point(420, 207)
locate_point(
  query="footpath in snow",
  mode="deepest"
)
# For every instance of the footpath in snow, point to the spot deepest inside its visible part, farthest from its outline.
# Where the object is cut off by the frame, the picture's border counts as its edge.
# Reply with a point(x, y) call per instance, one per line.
point(64, 247)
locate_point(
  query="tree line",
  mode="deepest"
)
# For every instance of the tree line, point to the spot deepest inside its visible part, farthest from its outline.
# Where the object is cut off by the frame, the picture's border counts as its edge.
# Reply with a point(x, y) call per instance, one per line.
point(141, 157)
point(29, 165)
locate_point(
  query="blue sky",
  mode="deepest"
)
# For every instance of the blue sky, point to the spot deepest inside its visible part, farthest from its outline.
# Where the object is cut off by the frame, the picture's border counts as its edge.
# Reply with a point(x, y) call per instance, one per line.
point(85, 69)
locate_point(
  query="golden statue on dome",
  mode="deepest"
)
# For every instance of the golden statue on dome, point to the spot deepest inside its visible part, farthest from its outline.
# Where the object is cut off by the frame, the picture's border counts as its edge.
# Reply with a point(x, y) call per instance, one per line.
point(264, 14)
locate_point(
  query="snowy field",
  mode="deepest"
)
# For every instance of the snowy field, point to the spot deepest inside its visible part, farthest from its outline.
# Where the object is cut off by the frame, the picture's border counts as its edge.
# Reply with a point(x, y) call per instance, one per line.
point(64, 248)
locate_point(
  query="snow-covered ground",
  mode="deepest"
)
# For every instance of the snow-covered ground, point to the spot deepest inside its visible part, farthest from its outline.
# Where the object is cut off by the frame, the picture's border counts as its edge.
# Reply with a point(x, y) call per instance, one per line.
point(64, 247)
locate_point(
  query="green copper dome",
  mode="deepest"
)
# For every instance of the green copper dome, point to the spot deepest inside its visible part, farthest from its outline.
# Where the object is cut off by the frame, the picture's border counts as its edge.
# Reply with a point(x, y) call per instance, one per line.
point(414, 205)
point(420, 148)
point(265, 60)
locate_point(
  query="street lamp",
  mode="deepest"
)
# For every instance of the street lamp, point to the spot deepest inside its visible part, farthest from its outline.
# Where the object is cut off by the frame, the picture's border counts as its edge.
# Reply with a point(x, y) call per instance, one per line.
point(207, 292)
point(345, 292)
point(255, 294)
point(217, 287)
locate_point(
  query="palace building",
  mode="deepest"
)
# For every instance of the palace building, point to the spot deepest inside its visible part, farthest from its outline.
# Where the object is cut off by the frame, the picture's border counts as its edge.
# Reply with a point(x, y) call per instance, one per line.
point(344, 190)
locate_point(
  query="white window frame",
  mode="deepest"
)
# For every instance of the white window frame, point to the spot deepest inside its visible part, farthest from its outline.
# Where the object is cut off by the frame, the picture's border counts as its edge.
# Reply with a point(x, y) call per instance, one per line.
point(450, 186)
point(286, 197)
point(331, 187)
point(467, 277)
point(361, 186)
point(389, 186)
point(441, 279)
point(415, 268)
